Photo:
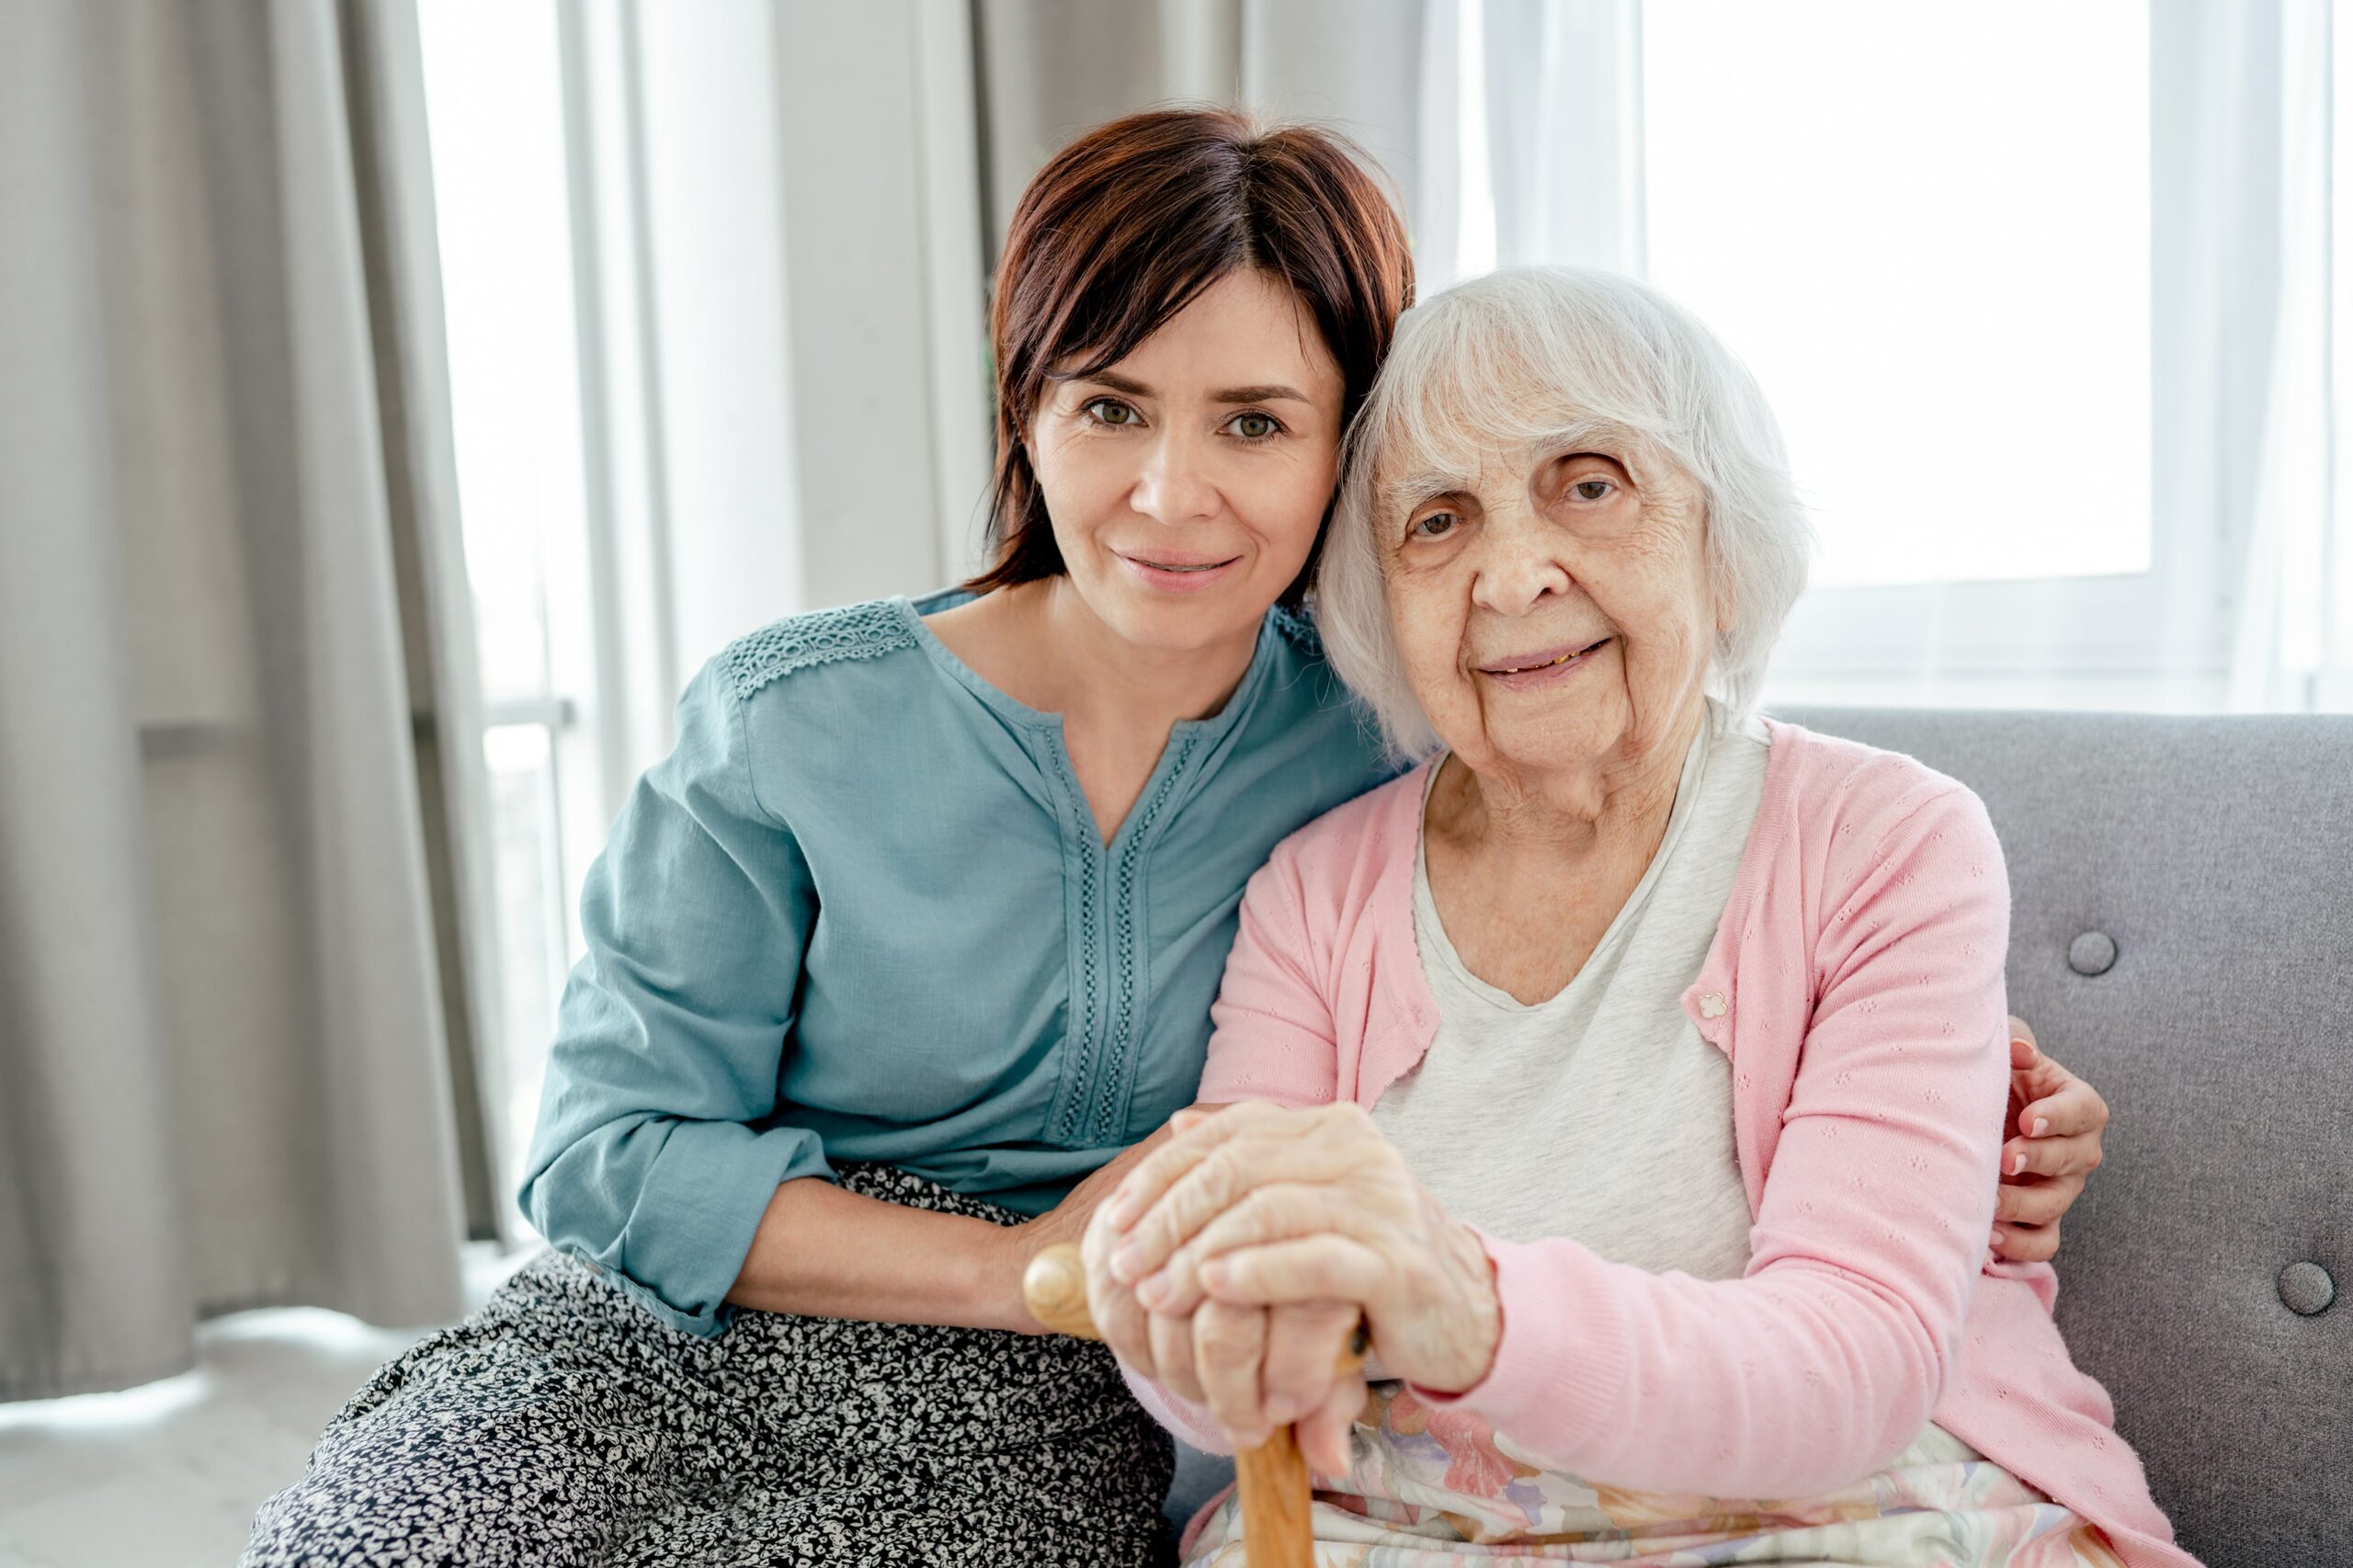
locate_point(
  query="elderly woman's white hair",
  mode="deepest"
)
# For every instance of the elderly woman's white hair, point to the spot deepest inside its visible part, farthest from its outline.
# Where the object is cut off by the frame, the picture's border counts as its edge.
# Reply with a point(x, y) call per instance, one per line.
point(1501, 361)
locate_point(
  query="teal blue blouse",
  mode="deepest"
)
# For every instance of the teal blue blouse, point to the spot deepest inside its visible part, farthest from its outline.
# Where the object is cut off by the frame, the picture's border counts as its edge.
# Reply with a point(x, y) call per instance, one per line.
point(863, 912)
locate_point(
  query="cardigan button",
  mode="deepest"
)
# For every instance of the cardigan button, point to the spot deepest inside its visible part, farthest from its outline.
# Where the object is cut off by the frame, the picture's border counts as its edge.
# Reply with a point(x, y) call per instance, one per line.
point(2306, 1288)
point(1712, 1004)
point(2092, 953)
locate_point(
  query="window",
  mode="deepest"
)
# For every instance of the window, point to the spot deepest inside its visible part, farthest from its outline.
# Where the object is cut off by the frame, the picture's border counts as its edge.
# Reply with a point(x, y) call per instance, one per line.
point(2045, 297)
point(495, 118)
point(1930, 241)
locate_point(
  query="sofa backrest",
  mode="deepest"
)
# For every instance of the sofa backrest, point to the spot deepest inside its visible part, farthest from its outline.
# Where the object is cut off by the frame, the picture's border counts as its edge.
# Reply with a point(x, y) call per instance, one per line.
point(2182, 935)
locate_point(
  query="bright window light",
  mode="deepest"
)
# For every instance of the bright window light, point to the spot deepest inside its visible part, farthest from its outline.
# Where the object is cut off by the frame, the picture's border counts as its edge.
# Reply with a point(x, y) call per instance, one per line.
point(495, 121)
point(1927, 230)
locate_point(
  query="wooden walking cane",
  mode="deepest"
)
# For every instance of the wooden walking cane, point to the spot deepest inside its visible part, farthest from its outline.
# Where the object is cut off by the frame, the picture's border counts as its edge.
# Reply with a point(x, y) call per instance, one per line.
point(1272, 1477)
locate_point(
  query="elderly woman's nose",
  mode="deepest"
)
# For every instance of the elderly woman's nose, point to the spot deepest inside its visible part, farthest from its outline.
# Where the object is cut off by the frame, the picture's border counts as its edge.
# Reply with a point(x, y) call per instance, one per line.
point(1174, 484)
point(1517, 567)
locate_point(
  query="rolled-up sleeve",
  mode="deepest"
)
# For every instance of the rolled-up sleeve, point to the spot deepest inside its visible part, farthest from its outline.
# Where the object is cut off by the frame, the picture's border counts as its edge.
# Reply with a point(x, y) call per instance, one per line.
point(658, 1147)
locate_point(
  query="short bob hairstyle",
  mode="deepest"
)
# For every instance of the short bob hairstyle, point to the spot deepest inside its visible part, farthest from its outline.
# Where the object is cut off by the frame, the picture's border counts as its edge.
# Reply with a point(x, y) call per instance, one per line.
point(1126, 224)
point(1544, 360)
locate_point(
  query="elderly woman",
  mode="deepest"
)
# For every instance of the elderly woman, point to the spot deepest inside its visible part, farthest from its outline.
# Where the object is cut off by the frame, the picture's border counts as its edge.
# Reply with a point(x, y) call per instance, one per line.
point(1635, 1068)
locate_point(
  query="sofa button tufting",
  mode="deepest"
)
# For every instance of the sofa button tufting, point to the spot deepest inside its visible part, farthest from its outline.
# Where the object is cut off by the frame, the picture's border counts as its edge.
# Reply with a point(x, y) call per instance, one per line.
point(2306, 1288)
point(2092, 953)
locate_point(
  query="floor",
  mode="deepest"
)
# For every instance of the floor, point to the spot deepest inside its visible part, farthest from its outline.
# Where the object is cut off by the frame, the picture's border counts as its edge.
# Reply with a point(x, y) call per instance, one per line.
point(170, 1474)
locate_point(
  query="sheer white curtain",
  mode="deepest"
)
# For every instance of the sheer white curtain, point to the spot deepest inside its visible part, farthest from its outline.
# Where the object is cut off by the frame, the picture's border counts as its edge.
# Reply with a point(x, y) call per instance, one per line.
point(2292, 636)
point(2049, 298)
point(1564, 132)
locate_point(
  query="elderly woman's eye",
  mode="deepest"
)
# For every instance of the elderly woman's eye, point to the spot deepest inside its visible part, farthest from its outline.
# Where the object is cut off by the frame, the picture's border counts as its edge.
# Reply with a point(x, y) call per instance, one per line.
point(1111, 411)
point(1433, 524)
point(1591, 489)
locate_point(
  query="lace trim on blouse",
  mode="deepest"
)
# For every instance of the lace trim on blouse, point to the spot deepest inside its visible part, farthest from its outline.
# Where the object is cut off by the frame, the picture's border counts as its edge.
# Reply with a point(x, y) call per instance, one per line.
point(819, 637)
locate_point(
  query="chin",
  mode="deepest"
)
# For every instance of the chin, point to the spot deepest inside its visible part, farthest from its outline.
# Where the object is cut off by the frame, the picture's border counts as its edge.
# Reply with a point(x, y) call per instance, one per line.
point(1178, 623)
point(1182, 629)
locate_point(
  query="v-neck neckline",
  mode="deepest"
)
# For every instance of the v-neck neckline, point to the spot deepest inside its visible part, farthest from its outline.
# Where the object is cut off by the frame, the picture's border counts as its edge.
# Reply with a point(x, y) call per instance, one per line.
point(1187, 737)
point(1689, 784)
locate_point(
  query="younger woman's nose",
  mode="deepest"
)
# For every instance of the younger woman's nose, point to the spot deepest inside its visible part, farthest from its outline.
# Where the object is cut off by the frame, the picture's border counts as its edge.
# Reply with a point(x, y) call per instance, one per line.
point(1174, 484)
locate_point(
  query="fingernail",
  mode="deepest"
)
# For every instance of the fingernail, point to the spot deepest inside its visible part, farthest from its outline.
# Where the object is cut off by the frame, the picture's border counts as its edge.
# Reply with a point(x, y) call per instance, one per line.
point(2041, 1125)
point(1126, 1263)
point(1281, 1412)
point(2017, 1164)
point(1156, 1290)
point(1998, 1237)
point(1120, 1212)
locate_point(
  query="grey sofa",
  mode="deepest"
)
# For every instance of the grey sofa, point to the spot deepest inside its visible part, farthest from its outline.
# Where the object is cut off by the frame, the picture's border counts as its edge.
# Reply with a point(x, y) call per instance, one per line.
point(2182, 934)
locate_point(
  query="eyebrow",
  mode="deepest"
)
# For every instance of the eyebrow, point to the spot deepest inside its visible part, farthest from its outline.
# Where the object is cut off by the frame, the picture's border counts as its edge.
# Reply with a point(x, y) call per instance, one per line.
point(1422, 487)
point(1269, 392)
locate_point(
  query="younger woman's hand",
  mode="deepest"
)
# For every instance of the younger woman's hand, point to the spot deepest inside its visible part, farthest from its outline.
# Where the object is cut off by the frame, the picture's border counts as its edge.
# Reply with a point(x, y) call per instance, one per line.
point(1015, 1245)
point(2055, 1124)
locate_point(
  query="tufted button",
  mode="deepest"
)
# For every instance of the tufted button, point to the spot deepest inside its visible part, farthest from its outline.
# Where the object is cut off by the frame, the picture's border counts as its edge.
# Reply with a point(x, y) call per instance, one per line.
point(2092, 953)
point(2306, 1288)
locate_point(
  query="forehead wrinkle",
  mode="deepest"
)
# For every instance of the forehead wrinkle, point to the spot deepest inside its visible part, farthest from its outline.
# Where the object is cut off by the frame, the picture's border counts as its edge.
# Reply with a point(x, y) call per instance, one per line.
point(1455, 460)
point(1629, 449)
point(1424, 455)
point(1480, 400)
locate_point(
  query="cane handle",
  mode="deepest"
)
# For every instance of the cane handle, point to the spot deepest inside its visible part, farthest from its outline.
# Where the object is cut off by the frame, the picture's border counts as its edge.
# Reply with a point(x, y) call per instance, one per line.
point(1271, 1478)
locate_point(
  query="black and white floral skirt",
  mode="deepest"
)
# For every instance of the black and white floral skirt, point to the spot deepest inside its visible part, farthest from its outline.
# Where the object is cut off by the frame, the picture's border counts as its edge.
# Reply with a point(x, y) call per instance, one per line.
point(561, 1425)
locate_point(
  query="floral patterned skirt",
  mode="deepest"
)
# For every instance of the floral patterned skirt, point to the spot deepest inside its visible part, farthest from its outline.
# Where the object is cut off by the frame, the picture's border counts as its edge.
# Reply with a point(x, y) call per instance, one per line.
point(564, 1426)
point(1432, 1487)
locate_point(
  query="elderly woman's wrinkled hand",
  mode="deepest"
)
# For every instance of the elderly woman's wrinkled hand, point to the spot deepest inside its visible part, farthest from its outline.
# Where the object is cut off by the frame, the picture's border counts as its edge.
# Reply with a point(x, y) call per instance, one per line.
point(1255, 1368)
point(1263, 1207)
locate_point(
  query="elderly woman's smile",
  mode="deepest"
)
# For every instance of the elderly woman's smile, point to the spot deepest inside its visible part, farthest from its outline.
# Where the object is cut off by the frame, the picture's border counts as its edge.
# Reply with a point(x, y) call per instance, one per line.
point(1524, 672)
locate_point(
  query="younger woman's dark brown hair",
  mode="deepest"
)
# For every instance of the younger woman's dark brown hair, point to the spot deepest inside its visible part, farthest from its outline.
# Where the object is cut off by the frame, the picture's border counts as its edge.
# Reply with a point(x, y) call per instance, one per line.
point(1124, 227)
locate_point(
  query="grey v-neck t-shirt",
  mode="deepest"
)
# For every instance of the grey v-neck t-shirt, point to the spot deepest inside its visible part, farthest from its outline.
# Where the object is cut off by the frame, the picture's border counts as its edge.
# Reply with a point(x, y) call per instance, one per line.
point(1600, 1113)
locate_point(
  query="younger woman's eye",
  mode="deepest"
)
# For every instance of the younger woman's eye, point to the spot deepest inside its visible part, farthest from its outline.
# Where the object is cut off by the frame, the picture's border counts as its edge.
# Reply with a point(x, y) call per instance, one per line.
point(1111, 411)
point(1592, 489)
point(1254, 425)
point(1434, 525)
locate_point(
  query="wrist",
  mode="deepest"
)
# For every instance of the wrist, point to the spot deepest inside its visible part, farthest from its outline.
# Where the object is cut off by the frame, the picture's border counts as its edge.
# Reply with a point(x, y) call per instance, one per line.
point(995, 1264)
point(1487, 1309)
point(1476, 1310)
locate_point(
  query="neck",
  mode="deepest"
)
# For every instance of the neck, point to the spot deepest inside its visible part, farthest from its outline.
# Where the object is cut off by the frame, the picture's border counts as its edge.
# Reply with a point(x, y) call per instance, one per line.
point(1622, 800)
point(1096, 674)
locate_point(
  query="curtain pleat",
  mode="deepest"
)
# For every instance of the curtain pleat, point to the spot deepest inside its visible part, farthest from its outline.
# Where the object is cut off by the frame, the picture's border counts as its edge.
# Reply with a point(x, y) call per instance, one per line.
point(226, 1073)
point(1048, 69)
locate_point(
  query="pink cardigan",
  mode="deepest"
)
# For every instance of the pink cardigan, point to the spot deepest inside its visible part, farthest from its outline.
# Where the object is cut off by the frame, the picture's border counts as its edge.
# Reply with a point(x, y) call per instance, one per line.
point(1855, 984)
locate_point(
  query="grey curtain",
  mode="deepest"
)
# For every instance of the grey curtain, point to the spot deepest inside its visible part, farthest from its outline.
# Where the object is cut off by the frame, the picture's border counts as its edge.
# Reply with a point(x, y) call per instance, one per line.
point(232, 1030)
point(1051, 68)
